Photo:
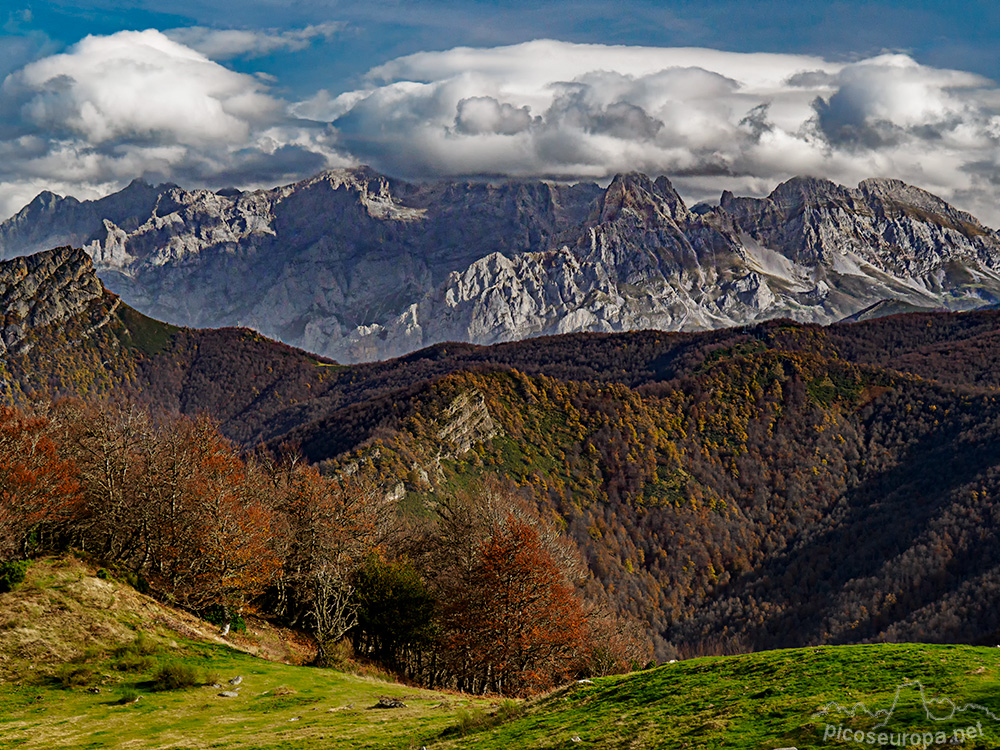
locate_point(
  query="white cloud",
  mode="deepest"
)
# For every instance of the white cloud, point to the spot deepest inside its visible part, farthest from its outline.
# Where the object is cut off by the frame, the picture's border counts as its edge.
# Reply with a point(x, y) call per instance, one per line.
point(138, 85)
point(224, 44)
point(146, 104)
point(113, 108)
point(703, 117)
point(480, 115)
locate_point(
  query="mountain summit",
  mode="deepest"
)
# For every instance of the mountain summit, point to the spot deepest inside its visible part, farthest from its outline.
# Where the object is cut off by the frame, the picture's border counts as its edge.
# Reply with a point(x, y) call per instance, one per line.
point(359, 266)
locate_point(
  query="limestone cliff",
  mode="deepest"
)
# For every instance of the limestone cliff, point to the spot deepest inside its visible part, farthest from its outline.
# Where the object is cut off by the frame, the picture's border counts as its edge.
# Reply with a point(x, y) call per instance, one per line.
point(359, 266)
point(43, 289)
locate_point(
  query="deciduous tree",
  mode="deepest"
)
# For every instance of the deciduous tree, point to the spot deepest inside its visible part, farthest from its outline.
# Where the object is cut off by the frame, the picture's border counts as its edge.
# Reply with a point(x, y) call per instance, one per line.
point(39, 493)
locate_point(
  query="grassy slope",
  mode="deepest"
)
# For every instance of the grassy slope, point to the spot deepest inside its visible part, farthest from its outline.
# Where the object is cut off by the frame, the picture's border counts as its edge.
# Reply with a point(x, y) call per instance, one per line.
point(765, 700)
point(62, 613)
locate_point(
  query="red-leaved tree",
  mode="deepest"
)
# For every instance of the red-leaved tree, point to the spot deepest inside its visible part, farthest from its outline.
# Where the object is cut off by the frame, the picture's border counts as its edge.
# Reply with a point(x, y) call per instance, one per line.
point(330, 526)
point(38, 488)
point(213, 524)
point(515, 624)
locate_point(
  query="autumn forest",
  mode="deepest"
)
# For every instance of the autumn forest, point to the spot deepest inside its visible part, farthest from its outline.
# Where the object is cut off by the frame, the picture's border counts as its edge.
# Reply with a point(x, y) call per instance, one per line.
point(497, 519)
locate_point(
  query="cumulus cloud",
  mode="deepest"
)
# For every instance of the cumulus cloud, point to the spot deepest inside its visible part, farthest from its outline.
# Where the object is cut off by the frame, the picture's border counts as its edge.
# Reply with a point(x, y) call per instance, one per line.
point(709, 119)
point(888, 98)
point(225, 44)
point(113, 108)
point(479, 115)
point(145, 103)
point(137, 85)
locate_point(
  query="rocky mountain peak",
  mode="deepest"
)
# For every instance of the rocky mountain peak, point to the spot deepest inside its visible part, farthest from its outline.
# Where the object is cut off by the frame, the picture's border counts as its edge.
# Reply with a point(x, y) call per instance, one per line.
point(897, 196)
point(46, 200)
point(885, 186)
point(637, 195)
point(375, 192)
point(44, 288)
point(896, 191)
point(797, 192)
point(45, 203)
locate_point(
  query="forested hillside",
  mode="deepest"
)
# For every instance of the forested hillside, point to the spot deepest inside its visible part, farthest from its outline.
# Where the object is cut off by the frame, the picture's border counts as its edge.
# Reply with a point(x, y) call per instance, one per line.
point(779, 484)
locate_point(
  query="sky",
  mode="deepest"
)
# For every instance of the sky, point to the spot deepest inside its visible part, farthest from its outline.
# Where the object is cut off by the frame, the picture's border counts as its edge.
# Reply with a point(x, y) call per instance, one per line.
point(715, 94)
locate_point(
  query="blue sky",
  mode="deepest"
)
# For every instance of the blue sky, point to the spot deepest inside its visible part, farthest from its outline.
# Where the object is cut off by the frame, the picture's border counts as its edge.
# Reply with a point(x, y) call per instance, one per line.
point(715, 93)
point(963, 34)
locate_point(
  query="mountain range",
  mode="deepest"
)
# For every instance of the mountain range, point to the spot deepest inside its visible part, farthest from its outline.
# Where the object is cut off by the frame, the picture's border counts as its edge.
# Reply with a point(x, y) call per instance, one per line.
point(357, 266)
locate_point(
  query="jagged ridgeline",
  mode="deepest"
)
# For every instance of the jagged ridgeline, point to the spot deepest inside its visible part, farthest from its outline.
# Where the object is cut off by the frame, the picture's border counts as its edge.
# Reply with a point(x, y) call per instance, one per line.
point(358, 266)
point(771, 485)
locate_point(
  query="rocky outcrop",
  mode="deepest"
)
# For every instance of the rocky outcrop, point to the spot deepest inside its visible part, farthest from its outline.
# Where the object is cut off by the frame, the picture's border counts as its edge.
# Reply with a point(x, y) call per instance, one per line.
point(358, 266)
point(467, 422)
point(42, 289)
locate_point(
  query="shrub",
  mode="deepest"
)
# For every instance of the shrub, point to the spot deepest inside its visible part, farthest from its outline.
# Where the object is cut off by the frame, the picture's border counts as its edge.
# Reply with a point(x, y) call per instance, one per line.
point(216, 614)
point(141, 646)
point(338, 656)
point(212, 677)
point(477, 720)
point(471, 721)
point(131, 662)
point(175, 676)
point(12, 574)
point(508, 710)
point(131, 578)
point(127, 695)
point(74, 674)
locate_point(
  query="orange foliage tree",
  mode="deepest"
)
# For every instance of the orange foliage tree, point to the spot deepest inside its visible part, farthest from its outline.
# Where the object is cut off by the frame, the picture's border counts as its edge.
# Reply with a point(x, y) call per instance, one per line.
point(38, 488)
point(211, 540)
point(514, 625)
point(109, 444)
point(175, 502)
point(330, 525)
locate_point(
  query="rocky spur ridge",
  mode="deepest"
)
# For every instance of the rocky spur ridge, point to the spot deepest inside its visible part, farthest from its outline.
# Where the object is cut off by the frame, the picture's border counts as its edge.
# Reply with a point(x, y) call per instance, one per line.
point(43, 289)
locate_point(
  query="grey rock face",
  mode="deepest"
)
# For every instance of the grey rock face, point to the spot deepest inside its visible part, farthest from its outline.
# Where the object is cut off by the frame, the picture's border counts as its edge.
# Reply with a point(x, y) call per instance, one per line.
point(357, 266)
point(467, 422)
point(42, 289)
point(311, 263)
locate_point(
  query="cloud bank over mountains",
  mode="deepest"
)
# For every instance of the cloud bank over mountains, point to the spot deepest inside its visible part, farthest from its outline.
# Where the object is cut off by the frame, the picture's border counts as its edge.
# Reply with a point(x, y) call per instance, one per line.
point(146, 103)
point(132, 104)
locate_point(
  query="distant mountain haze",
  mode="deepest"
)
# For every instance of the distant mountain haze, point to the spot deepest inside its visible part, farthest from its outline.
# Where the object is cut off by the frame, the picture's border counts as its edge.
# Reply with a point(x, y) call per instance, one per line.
point(358, 266)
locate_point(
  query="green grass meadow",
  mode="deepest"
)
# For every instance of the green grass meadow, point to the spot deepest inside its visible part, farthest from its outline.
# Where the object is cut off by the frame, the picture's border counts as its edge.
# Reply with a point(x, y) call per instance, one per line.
point(73, 647)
